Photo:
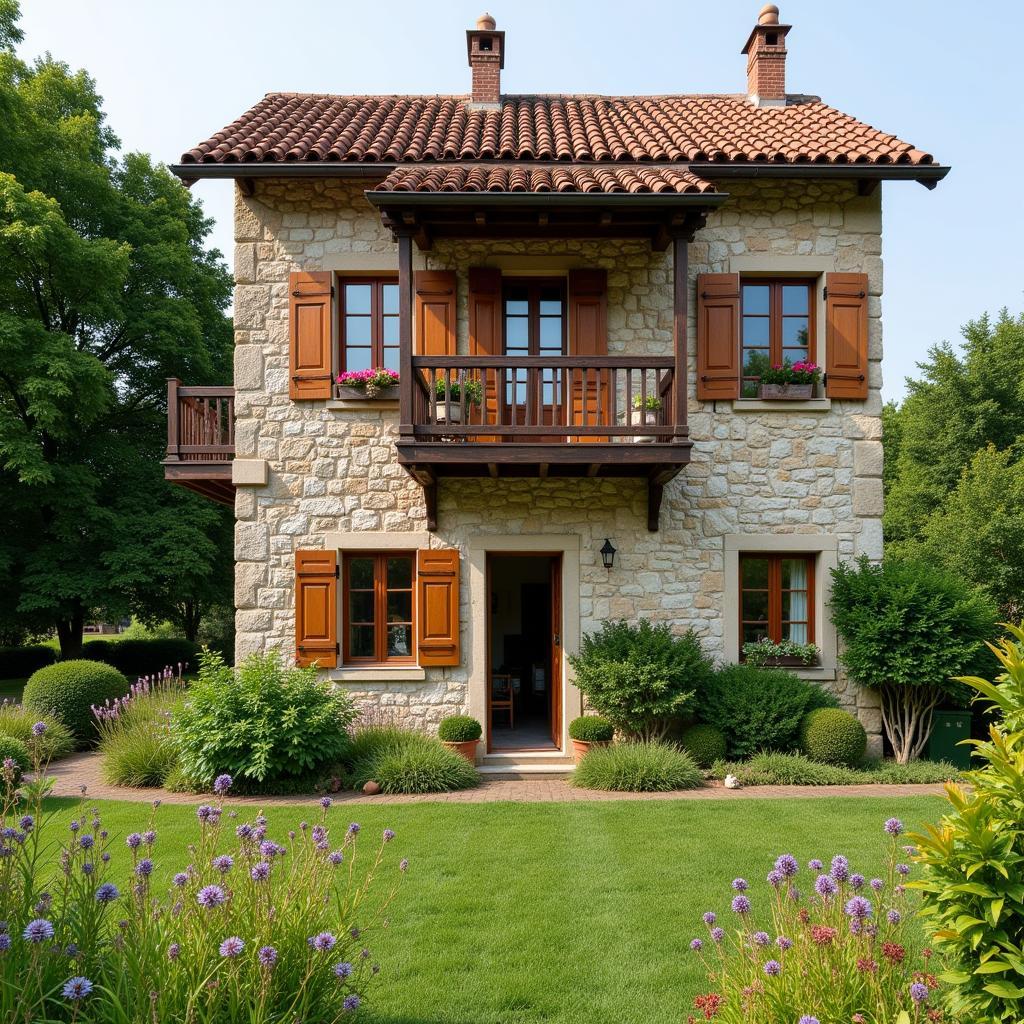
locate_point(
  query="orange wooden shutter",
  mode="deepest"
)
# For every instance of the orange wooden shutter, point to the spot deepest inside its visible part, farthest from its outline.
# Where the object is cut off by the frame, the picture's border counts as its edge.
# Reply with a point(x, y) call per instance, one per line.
point(435, 313)
point(485, 332)
point(718, 336)
point(316, 608)
point(437, 586)
point(309, 320)
point(846, 335)
point(588, 336)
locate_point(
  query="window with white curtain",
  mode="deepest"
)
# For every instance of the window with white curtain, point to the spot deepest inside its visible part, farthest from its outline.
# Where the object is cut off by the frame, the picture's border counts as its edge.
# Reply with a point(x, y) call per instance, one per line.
point(777, 598)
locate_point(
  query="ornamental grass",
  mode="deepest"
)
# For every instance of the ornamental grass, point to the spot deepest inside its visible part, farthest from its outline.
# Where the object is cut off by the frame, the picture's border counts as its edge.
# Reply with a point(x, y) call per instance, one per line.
point(254, 927)
point(819, 945)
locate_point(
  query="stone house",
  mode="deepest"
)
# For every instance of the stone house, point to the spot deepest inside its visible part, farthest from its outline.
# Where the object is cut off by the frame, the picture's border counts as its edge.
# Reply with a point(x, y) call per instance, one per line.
point(579, 295)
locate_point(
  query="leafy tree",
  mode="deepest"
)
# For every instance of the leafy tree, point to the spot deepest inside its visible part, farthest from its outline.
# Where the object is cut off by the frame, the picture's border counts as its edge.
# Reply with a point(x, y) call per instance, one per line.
point(106, 290)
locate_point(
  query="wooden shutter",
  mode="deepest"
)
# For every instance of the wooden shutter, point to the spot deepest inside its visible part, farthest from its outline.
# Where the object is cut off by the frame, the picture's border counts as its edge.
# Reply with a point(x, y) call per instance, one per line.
point(718, 336)
point(309, 325)
point(588, 336)
point(485, 335)
point(437, 606)
point(435, 313)
point(316, 608)
point(846, 335)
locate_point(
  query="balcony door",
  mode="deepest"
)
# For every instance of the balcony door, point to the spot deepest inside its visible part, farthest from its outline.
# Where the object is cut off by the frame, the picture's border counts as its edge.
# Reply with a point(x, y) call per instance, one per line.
point(534, 324)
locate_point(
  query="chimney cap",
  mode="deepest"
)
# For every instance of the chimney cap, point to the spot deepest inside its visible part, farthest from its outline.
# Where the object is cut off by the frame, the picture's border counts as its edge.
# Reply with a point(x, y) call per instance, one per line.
point(486, 23)
point(769, 15)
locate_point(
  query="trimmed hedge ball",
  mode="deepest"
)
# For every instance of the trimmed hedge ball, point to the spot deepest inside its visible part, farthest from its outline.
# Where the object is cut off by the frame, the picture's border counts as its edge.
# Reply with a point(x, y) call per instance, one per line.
point(833, 736)
point(18, 753)
point(459, 729)
point(68, 690)
point(704, 743)
point(591, 729)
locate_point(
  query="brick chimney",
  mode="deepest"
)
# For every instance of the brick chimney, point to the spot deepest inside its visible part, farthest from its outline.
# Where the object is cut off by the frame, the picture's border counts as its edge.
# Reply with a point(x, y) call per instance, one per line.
point(486, 49)
point(766, 60)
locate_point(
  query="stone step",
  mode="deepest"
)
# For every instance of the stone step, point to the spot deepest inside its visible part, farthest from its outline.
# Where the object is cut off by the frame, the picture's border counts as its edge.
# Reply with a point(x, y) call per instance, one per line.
point(521, 771)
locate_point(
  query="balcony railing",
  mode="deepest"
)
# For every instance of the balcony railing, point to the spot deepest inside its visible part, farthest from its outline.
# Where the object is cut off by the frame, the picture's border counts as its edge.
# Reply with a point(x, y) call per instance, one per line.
point(545, 399)
point(200, 423)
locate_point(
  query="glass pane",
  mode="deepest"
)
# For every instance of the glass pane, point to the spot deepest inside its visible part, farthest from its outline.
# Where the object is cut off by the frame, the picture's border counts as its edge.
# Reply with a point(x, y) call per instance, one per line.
point(755, 361)
point(794, 574)
point(756, 298)
point(754, 573)
point(389, 328)
point(794, 606)
point(360, 574)
point(389, 298)
point(517, 332)
point(795, 631)
point(360, 642)
point(748, 389)
point(399, 573)
point(755, 330)
point(358, 358)
point(516, 303)
point(400, 606)
point(794, 330)
point(358, 298)
point(795, 355)
point(755, 605)
point(551, 307)
point(794, 298)
point(399, 641)
point(754, 632)
point(357, 330)
point(360, 606)
point(551, 333)
point(392, 358)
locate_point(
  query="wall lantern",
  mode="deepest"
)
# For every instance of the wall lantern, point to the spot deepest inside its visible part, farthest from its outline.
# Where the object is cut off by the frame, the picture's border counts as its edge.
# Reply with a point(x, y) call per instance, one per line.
point(608, 554)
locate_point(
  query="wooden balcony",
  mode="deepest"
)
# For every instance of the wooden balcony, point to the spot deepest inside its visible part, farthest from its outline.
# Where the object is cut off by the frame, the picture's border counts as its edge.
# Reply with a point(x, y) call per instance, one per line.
point(201, 439)
point(545, 417)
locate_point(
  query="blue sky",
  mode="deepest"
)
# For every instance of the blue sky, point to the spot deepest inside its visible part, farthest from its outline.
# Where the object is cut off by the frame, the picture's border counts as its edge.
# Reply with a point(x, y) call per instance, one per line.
point(942, 76)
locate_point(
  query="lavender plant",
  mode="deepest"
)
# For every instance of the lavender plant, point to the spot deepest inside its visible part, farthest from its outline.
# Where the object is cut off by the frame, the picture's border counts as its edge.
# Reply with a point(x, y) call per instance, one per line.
point(824, 946)
point(256, 927)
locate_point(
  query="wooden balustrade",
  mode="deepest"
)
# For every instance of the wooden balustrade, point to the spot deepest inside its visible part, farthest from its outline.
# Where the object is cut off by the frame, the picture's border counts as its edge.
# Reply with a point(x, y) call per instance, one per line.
point(200, 423)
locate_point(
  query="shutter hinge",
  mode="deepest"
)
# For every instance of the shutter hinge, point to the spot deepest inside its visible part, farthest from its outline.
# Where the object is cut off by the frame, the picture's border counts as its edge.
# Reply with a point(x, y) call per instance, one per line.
point(337, 572)
point(337, 648)
point(824, 292)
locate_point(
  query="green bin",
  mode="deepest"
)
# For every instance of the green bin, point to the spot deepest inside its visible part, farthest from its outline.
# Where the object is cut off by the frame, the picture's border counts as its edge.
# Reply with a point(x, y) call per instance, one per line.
point(948, 729)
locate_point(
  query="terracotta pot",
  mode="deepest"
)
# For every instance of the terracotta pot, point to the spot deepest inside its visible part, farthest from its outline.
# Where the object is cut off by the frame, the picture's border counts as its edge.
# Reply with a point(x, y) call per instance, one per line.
point(639, 418)
point(360, 395)
point(464, 748)
point(580, 748)
point(785, 392)
point(371, 788)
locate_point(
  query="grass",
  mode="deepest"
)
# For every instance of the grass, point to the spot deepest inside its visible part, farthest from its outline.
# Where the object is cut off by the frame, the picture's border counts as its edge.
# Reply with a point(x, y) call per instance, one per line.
point(561, 913)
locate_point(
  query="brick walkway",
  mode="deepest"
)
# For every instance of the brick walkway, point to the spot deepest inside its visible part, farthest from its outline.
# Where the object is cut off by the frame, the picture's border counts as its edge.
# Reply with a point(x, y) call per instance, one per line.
point(83, 770)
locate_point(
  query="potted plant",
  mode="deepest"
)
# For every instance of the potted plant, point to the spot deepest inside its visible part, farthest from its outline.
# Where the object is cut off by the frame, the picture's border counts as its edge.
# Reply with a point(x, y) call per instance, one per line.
point(448, 396)
point(461, 734)
point(766, 653)
point(379, 383)
point(645, 413)
point(588, 731)
point(789, 381)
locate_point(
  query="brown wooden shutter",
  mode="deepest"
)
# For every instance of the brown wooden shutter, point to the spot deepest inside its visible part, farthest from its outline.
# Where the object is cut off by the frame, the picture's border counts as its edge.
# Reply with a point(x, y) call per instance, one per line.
point(310, 330)
point(435, 313)
point(846, 335)
point(485, 335)
point(718, 336)
point(437, 587)
point(588, 336)
point(316, 608)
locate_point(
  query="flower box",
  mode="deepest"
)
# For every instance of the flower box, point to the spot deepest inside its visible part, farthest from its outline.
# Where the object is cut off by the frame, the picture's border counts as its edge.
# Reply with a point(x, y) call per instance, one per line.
point(785, 392)
point(789, 661)
point(351, 394)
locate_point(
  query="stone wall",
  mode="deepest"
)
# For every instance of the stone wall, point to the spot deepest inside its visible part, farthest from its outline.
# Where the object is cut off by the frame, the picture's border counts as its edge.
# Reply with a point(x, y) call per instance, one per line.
point(752, 471)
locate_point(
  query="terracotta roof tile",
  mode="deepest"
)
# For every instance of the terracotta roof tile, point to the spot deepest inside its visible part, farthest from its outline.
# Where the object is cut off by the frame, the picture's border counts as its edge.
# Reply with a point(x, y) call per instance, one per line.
point(405, 129)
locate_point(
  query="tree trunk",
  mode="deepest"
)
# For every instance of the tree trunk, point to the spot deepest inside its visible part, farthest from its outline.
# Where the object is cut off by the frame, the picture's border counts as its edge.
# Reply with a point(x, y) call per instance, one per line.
point(907, 718)
point(69, 634)
point(190, 616)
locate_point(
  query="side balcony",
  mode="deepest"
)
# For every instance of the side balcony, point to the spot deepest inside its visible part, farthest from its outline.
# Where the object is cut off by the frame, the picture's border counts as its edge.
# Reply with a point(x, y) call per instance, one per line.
point(201, 439)
point(544, 417)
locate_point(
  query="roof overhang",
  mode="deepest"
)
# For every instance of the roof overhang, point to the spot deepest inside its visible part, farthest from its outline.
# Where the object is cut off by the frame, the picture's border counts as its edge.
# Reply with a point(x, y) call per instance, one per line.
point(928, 175)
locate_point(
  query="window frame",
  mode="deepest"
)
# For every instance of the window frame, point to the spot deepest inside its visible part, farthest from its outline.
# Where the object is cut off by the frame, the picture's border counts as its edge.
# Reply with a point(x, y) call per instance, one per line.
point(376, 317)
point(534, 285)
point(775, 591)
point(775, 318)
point(380, 621)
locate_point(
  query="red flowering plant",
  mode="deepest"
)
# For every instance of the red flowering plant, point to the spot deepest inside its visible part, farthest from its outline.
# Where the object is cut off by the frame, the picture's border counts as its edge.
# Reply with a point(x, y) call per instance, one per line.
point(792, 373)
point(373, 382)
point(826, 946)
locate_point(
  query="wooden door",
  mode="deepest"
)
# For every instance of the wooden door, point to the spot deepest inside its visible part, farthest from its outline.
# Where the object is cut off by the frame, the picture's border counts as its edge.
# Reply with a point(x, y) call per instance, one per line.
point(555, 668)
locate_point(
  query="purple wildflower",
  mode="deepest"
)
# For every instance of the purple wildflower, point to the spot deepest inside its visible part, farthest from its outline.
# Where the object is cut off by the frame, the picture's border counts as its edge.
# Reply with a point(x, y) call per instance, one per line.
point(204, 812)
point(918, 992)
point(174, 951)
point(388, 835)
point(223, 863)
point(856, 882)
point(787, 865)
point(717, 934)
point(38, 729)
point(343, 970)
point(894, 826)
point(825, 886)
point(232, 947)
point(222, 784)
point(783, 943)
point(181, 879)
point(336, 857)
point(267, 956)
point(696, 945)
point(5, 942)
point(774, 878)
point(808, 1019)
point(75, 825)
point(740, 904)
point(709, 918)
point(858, 907)
point(773, 968)
point(211, 896)
point(133, 841)
point(893, 917)
point(350, 1002)
point(902, 869)
point(243, 831)
point(107, 893)
point(144, 868)
point(77, 988)
point(815, 864)
point(323, 942)
point(403, 864)
point(740, 884)
point(877, 884)
point(761, 938)
point(353, 829)
point(86, 841)
point(39, 930)
point(27, 823)
point(260, 871)
point(840, 869)
point(149, 837)
point(325, 802)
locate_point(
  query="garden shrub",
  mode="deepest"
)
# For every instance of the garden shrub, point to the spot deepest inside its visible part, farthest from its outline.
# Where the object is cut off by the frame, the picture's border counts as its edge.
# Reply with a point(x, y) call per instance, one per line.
point(402, 761)
point(704, 743)
point(637, 767)
point(908, 628)
point(640, 677)
point(775, 769)
point(69, 689)
point(144, 657)
point(459, 729)
point(110, 944)
point(16, 722)
point(260, 722)
point(819, 943)
point(974, 860)
point(758, 708)
point(591, 729)
point(833, 736)
point(18, 752)
point(914, 772)
point(19, 662)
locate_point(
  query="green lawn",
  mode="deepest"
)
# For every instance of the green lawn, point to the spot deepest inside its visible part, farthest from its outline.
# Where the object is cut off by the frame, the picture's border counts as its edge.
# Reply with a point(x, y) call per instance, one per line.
point(565, 913)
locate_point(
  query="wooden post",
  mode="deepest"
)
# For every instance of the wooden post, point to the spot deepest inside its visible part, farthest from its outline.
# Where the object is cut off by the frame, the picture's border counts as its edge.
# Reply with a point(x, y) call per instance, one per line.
point(173, 440)
point(405, 329)
point(681, 291)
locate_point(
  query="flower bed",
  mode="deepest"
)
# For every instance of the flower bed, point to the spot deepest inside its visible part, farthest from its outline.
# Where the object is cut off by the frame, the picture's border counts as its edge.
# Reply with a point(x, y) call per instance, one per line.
point(377, 384)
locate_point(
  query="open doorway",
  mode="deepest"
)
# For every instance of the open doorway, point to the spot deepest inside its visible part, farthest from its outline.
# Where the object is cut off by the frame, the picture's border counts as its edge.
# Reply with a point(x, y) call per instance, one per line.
point(524, 709)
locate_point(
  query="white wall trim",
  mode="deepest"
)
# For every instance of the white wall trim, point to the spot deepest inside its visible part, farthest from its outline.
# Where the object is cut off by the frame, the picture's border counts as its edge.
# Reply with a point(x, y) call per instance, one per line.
point(383, 674)
point(378, 540)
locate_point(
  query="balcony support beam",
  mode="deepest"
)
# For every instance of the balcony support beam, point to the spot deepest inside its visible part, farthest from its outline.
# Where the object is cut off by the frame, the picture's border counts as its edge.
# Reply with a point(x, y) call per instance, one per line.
point(680, 325)
point(405, 307)
point(655, 492)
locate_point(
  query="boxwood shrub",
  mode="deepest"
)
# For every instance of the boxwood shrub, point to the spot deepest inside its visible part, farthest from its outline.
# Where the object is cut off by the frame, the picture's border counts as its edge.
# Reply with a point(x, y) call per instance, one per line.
point(591, 729)
point(18, 753)
point(19, 662)
point(143, 657)
point(459, 729)
point(68, 691)
point(637, 767)
point(704, 743)
point(833, 736)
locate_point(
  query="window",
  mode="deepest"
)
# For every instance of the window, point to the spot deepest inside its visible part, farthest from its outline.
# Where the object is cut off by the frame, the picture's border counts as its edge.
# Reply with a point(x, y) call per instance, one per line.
point(378, 608)
point(777, 598)
point(777, 324)
point(368, 315)
point(533, 318)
